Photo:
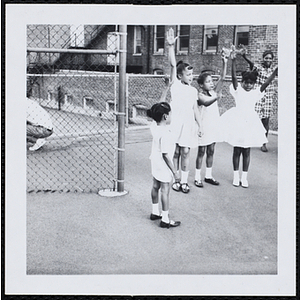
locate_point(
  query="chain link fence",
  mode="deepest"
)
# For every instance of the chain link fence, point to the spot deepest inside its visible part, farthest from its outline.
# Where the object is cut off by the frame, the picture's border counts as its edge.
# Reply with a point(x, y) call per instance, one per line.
point(72, 74)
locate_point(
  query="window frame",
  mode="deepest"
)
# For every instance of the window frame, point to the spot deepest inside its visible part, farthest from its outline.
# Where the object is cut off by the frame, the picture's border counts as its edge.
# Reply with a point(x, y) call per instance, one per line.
point(155, 41)
point(204, 48)
point(236, 34)
point(135, 40)
point(178, 51)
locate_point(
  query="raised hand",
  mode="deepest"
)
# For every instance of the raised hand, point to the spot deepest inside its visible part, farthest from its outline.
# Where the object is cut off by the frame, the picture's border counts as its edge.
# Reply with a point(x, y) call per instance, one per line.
point(170, 37)
point(225, 53)
point(242, 50)
point(233, 52)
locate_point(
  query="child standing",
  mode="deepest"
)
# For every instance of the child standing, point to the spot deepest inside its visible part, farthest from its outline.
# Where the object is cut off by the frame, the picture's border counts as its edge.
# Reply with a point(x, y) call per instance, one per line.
point(163, 146)
point(185, 114)
point(210, 116)
point(243, 127)
point(264, 106)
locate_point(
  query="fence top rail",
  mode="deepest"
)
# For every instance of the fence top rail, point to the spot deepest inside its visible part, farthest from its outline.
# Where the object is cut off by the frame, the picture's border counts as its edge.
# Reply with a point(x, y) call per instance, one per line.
point(78, 51)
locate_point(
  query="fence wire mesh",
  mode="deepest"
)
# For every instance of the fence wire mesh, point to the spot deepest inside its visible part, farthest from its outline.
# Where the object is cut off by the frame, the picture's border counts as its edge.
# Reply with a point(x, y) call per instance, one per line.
point(78, 90)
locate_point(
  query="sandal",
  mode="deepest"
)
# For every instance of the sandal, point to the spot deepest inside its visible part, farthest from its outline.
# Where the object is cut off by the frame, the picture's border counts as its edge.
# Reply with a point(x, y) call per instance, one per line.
point(185, 188)
point(176, 186)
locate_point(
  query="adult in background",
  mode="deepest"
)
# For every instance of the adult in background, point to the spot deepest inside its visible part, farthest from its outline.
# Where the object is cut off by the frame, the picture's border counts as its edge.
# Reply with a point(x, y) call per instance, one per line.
point(264, 107)
point(39, 125)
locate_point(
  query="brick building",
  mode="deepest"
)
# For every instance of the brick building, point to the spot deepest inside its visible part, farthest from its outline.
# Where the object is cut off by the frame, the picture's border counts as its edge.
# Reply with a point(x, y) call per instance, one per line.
point(199, 45)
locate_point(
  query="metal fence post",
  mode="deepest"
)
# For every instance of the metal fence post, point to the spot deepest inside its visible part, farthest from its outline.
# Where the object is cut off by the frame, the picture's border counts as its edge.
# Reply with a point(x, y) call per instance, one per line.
point(121, 112)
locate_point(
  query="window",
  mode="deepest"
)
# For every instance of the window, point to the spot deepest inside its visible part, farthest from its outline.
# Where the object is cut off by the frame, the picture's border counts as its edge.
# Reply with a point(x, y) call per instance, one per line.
point(210, 41)
point(137, 40)
point(77, 35)
point(159, 39)
point(241, 35)
point(183, 42)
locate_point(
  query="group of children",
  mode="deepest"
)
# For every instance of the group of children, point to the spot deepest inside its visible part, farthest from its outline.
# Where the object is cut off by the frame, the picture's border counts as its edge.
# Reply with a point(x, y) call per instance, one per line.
point(180, 126)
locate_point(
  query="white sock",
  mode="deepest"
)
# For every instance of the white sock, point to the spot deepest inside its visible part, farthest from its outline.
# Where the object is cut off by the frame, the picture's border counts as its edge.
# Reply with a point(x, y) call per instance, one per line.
point(184, 176)
point(236, 178)
point(165, 216)
point(155, 209)
point(208, 173)
point(244, 179)
point(244, 175)
point(198, 174)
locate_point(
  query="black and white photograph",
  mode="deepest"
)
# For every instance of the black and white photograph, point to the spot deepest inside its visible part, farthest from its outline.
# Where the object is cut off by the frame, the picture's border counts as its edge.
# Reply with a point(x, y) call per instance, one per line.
point(150, 150)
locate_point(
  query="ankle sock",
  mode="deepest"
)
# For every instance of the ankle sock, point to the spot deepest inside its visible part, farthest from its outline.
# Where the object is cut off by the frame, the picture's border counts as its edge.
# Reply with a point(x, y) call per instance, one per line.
point(165, 216)
point(155, 209)
point(198, 174)
point(208, 172)
point(236, 178)
point(184, 176)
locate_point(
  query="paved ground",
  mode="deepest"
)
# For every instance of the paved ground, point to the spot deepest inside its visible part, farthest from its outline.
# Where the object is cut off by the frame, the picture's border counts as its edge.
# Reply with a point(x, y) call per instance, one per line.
point(225, 230)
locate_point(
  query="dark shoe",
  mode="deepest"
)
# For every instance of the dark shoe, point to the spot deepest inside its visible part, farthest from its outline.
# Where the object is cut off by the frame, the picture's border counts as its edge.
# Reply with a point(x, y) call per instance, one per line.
point(154, 217)
point(171, 224)
point(198, 183)
point(211, 181)
point(185, 188)
point(176, 186)
point(264, 148)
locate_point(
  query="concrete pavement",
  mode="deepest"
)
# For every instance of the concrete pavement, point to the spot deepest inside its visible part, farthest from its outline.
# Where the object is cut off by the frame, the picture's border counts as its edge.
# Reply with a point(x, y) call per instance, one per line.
point(224, 230)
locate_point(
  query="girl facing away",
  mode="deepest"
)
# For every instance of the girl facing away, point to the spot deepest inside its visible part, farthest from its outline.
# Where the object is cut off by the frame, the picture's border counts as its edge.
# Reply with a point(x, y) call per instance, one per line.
point(162, 168)
point(210, 121)
point(185, 112)
point(242, 124)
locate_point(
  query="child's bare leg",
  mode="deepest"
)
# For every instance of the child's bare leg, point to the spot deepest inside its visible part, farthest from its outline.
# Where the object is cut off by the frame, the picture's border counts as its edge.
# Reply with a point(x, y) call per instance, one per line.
point(176, 157)
point(246, 159)
point(155, 198)
point(236, 158)
point(185, 158)
point(199, 159)
point(236, 163)
point(246, 162)
point(155, 190)
point(200, 154)
point(210, 155)
point(165, 192)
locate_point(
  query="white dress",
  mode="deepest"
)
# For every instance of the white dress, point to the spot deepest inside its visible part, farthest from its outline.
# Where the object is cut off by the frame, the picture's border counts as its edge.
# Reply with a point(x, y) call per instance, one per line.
point(184, 126)
point(163, 142)
point(241, 124)
point(210, 125)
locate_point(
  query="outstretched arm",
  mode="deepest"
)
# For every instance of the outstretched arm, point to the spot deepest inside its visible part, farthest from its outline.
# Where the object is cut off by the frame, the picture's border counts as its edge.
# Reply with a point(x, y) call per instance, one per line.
point(233, 73)
point(243, 53)
point(219, 84)
point(171, 41)
point(269, 79)
point(207, 100)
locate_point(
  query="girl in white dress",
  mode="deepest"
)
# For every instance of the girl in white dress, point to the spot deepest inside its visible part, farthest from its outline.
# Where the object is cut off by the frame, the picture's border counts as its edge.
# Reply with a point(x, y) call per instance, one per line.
point(210, 119)
point(243, 128)
point(162, 168)
point(186, 117)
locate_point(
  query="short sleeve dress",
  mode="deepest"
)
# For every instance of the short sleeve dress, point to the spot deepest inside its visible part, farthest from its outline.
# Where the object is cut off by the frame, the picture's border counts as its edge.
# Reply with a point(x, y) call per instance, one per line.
point(210, 125)
point(183, 124)
point(264, 106)
point(163, 142)
point(241, 124)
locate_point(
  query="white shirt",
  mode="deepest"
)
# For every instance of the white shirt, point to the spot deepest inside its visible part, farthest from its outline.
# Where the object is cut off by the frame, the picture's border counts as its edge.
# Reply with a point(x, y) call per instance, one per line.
point(37, 115)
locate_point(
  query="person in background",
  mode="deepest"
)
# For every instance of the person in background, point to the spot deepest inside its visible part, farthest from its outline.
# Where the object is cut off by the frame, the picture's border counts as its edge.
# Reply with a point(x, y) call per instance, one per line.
point(264, 106)
point(39, 125)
